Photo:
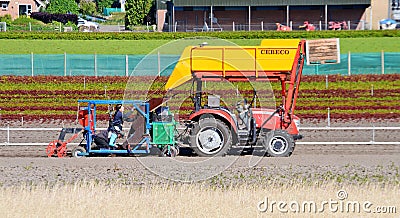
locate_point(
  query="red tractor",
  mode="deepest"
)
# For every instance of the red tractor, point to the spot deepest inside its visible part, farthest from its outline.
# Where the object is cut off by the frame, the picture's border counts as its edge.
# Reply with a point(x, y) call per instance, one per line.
point(307, 26)
point(214, 129)
point(336, 25)
point(281, 27)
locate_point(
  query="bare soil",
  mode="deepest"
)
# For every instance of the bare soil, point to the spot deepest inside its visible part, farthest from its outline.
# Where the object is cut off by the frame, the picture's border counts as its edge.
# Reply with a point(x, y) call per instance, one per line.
point(341, 164)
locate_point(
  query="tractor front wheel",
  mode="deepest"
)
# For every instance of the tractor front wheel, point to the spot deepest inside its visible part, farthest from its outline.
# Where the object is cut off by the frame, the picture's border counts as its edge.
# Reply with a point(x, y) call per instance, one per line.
point(278, 143)
point(210, 137)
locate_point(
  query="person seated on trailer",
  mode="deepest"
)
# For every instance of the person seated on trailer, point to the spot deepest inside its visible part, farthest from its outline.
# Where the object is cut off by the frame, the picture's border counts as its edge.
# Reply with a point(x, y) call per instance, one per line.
point(115, 127)
point(102, 140)
point(118, 116)
point(116, 133)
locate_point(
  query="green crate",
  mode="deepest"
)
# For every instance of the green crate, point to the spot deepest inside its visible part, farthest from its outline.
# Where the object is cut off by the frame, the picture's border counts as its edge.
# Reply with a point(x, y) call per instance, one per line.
point(163, 133)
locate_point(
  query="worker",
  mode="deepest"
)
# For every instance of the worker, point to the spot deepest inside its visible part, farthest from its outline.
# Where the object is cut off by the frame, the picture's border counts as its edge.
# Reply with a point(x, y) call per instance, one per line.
point(243, 108)
point(118, 116)
point(115, 127)
point(113, 135)
point(102, 139)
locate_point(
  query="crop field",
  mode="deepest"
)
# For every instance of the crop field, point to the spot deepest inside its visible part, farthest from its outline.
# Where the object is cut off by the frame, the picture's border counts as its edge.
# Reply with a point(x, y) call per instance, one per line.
point(372, 97)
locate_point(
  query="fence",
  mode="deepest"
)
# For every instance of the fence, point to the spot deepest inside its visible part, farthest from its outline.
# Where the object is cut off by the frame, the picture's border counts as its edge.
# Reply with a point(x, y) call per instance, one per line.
point(76, 64)
point(122, 65)
point(181, 26)
point(334, 141)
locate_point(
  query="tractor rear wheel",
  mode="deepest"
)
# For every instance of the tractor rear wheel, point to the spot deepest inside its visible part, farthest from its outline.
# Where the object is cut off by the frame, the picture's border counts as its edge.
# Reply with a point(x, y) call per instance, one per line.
point(210, 137)
point(77, 151)
point(278, 143)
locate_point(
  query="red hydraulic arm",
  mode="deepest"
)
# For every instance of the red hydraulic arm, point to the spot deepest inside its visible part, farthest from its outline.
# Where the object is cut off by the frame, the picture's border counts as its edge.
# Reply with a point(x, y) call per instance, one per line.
point(289, 101)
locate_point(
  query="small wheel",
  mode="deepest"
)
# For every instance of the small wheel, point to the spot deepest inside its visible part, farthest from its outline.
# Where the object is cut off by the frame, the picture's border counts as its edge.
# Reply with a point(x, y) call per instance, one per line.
point(62, 150)
point(171, 152)
point(51, 148)
point(77, 152)
point(210, 137)
point(278, 143)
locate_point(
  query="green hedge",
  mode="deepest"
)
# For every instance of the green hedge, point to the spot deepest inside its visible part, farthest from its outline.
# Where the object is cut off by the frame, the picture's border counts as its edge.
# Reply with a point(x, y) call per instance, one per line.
point(222, 35)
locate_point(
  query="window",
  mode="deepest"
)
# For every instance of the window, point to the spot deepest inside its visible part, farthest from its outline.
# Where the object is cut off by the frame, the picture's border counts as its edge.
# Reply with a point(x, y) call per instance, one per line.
point(395, 4)
point(4, 6)
point(29, 9)
point(25, 9)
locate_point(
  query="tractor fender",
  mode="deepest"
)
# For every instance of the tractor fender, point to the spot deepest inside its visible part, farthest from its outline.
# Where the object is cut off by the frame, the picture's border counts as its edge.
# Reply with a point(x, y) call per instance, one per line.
point(223, 115)
point(275, 122)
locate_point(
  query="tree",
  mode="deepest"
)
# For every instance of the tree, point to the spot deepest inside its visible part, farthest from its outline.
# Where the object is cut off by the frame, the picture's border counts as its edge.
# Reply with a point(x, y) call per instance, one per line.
point(101, 4)
point(137, 11)
point(87, 7)
point(62, 7)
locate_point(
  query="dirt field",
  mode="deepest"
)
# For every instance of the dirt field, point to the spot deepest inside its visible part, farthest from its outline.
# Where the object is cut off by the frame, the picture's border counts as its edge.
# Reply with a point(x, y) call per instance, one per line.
point(223, 171)
point(233, 186)
point(334, 163)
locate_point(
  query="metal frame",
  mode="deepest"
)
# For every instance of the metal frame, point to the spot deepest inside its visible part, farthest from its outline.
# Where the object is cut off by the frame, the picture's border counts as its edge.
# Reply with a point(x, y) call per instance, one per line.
point(137, 104)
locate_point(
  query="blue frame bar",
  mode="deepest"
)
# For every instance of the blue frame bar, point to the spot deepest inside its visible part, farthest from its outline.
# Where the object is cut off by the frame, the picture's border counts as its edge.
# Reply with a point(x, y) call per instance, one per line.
point(89, 134)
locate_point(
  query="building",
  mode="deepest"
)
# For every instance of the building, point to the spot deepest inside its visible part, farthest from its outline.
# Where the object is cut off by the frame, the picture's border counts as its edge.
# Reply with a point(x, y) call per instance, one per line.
point(232, 15)
point(394, 11)
point(15, 8)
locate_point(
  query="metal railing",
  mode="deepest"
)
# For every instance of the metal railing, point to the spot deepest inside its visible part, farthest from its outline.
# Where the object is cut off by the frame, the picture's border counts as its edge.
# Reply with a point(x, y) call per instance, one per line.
point(9, 129)
point(265, 26)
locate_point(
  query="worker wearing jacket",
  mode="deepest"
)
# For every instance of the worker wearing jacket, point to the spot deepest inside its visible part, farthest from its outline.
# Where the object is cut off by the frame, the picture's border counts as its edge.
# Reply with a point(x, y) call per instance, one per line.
point(116, 125)
point(101, 139)
point(118, 116)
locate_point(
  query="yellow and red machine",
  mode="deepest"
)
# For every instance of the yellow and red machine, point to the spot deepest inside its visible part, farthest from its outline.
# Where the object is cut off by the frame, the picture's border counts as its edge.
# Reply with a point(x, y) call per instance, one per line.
point(213, 130)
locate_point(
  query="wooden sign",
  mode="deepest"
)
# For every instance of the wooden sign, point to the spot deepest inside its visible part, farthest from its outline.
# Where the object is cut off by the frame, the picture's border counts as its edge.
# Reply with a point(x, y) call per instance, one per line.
point(323, 51)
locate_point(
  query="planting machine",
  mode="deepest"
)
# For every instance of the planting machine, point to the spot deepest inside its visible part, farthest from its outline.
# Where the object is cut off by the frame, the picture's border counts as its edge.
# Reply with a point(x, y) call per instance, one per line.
point(211, 129)
point(147, 131)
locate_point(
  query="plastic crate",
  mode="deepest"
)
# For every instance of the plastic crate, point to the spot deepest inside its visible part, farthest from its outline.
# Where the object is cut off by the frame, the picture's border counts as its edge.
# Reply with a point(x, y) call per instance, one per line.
point(163, 133)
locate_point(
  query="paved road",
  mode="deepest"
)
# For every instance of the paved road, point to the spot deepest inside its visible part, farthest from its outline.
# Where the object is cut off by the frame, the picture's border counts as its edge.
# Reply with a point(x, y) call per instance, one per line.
point(111, 28)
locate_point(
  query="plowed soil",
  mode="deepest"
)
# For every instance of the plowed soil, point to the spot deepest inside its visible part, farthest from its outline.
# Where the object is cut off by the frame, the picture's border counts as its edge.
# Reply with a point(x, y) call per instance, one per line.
point(337, 163)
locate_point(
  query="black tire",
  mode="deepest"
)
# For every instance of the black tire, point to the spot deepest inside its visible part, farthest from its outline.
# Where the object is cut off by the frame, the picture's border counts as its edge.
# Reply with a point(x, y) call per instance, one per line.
point(172, 152)
point(211, 132)
point(278, 143)
point(76, 151)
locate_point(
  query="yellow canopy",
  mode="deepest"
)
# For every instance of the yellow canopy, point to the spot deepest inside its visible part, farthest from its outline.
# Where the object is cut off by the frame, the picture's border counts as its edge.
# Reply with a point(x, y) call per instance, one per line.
point(273, 55)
